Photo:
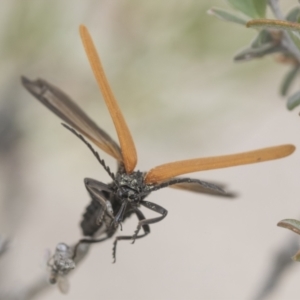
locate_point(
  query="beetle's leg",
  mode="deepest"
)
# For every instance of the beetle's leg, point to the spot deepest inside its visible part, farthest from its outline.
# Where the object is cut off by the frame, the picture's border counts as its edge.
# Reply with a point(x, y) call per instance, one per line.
point(88, 241)
point(95, 189)
point(100, 217)
point(144, 222)
point(119, 216)
point(145, 227)
point(96, 185)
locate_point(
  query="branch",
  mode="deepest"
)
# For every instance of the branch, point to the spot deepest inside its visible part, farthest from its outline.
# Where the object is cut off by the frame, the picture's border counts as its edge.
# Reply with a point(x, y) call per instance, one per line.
point(280, 263)
point(4, 244)
point(59, 268)
point(287, 41)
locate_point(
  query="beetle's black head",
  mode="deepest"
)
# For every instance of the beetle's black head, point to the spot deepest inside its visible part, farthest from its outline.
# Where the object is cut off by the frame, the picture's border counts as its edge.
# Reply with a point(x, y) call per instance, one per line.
point(130, 186)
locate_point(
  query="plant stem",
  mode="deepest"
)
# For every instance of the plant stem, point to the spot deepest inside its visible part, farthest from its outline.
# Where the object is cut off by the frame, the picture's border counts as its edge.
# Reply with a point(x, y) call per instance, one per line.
point(274, 5)
point(287, 41)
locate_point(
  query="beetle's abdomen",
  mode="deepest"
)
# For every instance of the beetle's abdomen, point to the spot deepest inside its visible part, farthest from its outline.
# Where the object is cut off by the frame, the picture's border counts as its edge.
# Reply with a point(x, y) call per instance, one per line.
point(89, 225)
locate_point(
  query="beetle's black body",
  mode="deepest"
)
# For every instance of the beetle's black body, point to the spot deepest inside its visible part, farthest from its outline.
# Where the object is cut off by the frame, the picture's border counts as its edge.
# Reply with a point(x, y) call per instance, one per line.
point(90, 224)
point(102, 219)
point(112, 203)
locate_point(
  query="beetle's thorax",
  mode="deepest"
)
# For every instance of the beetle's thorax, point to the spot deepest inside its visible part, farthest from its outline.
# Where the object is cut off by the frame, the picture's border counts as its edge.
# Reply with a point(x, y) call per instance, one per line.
point(131, 186)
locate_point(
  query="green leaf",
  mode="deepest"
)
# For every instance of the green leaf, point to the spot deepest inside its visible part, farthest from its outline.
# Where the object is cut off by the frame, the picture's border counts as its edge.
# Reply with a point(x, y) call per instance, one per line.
point(251, 8)
point(274, 24)
point(262, 45)
point(293, 101)
point(251, 53)
point(291, 224)
point(261, 7)
point(293, 15)
point(288, 80)
point(227, 16)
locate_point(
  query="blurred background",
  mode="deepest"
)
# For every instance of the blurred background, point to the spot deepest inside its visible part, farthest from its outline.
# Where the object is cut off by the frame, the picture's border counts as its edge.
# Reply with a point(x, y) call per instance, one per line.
point(170, 66)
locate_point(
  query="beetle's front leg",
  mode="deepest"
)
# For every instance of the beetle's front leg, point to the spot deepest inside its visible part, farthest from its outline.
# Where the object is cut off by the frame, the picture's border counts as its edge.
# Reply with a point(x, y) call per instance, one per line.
point(95, 189)
point(145, 227)
point(87, 241)
point(144, 222)
point(119, 216)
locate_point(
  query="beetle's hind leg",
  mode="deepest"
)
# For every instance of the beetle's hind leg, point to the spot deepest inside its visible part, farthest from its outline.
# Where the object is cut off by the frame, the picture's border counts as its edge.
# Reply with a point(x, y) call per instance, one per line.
point(144, 221)
point(145, 227)
point(88, 241)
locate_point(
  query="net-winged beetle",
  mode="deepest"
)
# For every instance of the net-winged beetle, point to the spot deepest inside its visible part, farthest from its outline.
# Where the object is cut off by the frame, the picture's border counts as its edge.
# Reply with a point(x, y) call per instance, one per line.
point(112, 203)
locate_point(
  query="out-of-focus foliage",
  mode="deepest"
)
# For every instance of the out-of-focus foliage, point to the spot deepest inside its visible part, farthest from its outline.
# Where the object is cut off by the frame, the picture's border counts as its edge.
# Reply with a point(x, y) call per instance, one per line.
point(278, 36)
point(293, 225)
point(251, 8)
point(228, 16)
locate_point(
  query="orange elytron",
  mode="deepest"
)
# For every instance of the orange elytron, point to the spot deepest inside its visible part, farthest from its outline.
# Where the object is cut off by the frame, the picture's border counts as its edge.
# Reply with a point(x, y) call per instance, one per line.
point(112, 203)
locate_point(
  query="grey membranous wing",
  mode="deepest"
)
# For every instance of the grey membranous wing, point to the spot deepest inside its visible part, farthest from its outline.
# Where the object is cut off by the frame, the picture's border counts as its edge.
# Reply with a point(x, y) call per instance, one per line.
point(66, 109)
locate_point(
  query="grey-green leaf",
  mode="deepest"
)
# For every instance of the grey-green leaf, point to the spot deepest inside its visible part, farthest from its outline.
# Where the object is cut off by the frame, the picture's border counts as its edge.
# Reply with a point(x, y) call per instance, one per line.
point(263, 37)
point(293, 15)
point(293, 101)
point(251, 53)
point(251, 8)
point(227, 16)
point(291, 224)
point(288, 80)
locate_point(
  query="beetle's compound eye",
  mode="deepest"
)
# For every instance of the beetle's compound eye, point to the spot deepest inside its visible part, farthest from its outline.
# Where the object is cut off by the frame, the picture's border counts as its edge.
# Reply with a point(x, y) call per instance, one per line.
point(132, 195)
point(120, 193)
point(124, 192)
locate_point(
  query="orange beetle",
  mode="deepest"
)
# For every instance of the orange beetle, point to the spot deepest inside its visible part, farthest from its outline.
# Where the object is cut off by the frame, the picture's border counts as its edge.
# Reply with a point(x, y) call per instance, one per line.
point(113, 202)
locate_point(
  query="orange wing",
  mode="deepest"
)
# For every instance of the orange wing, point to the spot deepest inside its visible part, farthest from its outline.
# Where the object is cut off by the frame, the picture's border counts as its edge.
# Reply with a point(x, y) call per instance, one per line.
point(169, 170)
point(126, 142)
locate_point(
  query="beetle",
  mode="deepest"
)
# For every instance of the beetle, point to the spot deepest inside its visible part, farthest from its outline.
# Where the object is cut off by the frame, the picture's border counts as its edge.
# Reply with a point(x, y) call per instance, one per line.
point(112, 203)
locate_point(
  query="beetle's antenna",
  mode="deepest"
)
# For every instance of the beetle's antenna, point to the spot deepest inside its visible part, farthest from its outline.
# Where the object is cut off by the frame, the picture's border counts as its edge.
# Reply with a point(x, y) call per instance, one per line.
point(101, 161)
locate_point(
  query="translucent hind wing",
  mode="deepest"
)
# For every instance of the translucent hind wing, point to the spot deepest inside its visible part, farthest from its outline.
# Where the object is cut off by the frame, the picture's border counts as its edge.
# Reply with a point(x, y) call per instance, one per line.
point(169, 170)
point(63, 284)
point(199, 186)
point(126, 142)
point(67, 110)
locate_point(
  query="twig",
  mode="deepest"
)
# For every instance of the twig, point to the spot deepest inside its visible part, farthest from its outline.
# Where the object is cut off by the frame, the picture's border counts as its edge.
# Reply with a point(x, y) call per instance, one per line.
point(57, 270)
point(287, 41)
point(4, 244)
point(280, 263)
point(62, 263)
